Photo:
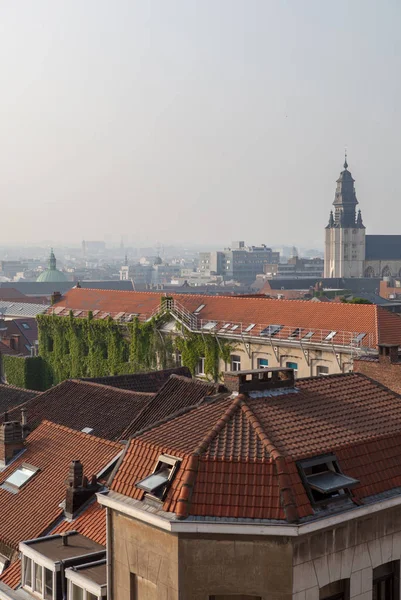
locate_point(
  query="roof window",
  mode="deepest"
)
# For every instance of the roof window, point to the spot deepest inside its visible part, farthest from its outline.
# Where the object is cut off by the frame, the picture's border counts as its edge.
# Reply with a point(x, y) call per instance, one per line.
point(158, 483)
point(296, 333)
point(209, 325)
point(20, 476)
point(25, 325)
point(358, 338)
point(308, 335)
point(324, 480)
point(271, 330)
point(251, 326)
point(234, 327)
point(87, 430)
point(330, 336)
point(197, 311)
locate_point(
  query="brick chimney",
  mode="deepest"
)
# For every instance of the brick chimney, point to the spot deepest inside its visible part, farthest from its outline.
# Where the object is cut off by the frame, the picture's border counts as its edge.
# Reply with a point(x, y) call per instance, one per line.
point(259, 380)
point(55, 297)
point(11, 439)
point(79, 490)
point(388, 353)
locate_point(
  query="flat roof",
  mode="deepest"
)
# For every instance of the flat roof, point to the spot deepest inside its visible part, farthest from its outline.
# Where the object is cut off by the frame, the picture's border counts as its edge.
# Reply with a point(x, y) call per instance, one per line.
point(52, 547)
point(96, 572)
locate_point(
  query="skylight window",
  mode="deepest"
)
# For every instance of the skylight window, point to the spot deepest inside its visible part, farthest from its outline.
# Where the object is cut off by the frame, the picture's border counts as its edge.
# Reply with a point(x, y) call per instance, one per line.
point(20, 476)
point(324, 480)
point(197, 311)
point(234, 327)
point(271, 330)
point(210, 325)
point(308, 335)
point(358, 338)
point(159, 481)
point(251, 326)
point(296, 333)
point(87, 430)
point(25, 325)
point(330, 336)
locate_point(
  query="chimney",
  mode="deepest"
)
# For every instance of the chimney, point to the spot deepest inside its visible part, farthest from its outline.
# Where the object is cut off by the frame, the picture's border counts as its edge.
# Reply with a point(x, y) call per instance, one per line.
point(55, 297)
point(388, 353)
point(79, 490)
point(11, 439)
point(259, 380)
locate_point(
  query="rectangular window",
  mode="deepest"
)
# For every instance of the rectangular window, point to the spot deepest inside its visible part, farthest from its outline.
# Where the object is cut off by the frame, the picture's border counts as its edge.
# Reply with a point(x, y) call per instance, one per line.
point(330, 336)
point(292, 365)
point(90, 596)
point(38, 578)
point(48, 576)
point(386, 581)
point(323, 479)
point(77, 592)
point(308, 335)
point(20, 476)
point(201, 366)
point(321, 370)
point(271, 330)
point(263, 363)
point(27, 572)
point(235, 363)
point(296, 333)
point(157, 483)
point(249, 328)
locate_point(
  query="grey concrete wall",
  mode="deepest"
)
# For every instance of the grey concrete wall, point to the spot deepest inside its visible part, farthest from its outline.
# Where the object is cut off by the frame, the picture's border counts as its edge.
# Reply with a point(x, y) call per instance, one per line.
point(351, 550)
point(223, 566)
point(145, 555)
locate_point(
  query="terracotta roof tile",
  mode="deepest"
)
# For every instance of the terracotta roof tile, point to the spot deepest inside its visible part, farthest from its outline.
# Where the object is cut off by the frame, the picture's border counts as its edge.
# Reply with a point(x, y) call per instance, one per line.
point(91, 523)
point(176, 394)
point(78, 404)
point(30, 512)
point(141, 382)
point(239, 454)
point(378, 323)
point(12, 575)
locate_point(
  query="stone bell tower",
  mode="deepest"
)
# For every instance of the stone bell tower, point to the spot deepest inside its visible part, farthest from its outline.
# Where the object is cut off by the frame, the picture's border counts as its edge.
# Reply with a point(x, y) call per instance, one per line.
point(344, 254)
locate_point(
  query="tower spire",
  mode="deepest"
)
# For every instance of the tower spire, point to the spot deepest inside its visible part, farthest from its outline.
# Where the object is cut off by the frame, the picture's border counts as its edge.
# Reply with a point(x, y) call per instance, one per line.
point(345, 161)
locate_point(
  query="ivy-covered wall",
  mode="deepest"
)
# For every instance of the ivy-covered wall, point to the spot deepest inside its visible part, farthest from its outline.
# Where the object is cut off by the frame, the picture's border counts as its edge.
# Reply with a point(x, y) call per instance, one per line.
point(29, 372)
point(75, 347)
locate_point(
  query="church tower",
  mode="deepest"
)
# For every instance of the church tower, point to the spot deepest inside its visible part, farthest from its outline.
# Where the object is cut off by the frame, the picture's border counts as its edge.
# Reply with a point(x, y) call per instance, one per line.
point(344, 254)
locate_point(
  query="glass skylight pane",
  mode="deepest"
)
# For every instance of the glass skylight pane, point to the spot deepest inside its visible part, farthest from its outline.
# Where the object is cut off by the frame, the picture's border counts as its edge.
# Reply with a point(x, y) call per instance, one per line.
point(226, 325)
point(234, 327)
point(20, 476)
point(251, 326)
point(359, 338)
point(209, 325)
point(329, 481)
point(154, 481)
point(331, 335)
point(271, 330)
point(199, 309)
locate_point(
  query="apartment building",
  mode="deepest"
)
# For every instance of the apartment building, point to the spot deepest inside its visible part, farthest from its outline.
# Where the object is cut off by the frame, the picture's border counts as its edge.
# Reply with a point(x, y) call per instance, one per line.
point(277, 490)
point(311, 338)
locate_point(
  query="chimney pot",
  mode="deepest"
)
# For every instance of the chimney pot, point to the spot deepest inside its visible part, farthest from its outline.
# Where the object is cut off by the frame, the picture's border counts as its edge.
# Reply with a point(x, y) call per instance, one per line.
point(64, 538)
point(259, 380)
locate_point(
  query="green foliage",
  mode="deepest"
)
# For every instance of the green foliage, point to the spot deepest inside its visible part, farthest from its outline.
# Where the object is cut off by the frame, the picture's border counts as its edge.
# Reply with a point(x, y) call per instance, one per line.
point(193, 346)
point(355, 300)
point(29, 372)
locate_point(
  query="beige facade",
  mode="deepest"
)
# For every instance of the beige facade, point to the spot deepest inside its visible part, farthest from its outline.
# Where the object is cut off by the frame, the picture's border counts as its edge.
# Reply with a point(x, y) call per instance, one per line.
point(148, 563)
point(344, 252)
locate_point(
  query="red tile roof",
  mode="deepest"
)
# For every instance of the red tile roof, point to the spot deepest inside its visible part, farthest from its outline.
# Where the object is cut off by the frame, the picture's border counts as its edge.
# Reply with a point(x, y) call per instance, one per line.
point(176, 394)
point(239, 454)
point(78, 404)
point(91, 523)
point(380, 324)
point(32, 510)
point(151, 381)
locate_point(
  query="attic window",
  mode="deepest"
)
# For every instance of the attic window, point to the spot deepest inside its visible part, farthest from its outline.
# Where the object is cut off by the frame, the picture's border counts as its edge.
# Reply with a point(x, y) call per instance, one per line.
point(324, 480)
point(271, 330)
point(159, 481)
point(308, 335)
point(20, 476)
point(25, 325)
point(197, 311)
point(296, 333)
point(209, 325)
point(251, 326)
point(87, 430)
point(330, 336)
point(358, 338)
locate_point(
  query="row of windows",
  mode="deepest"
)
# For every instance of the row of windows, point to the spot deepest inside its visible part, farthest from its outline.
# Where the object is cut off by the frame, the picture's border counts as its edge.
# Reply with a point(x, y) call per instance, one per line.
point(262, 363)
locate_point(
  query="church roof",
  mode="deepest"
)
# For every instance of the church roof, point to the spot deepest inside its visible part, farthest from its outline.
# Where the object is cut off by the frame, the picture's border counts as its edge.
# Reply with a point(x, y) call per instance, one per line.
point(52, 274)
point(383, 247)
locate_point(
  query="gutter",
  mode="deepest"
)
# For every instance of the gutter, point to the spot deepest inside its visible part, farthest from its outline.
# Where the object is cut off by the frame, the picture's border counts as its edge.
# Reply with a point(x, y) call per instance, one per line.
point(129, 507)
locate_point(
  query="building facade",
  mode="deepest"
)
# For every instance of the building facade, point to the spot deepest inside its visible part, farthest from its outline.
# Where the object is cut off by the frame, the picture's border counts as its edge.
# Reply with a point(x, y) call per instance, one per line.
point(348, 251)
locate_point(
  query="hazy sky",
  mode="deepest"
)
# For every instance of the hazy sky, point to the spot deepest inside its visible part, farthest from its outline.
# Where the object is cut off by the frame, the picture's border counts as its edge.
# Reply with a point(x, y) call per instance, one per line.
point(196, 120)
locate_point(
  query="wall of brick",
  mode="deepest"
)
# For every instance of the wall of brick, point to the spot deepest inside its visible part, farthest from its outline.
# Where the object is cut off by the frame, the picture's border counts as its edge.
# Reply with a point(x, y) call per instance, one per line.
point(387, 373)
point(351, 550)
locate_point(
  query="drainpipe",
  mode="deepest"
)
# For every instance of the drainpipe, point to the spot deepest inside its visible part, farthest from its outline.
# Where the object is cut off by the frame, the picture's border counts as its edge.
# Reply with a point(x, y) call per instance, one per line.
point(108, 554)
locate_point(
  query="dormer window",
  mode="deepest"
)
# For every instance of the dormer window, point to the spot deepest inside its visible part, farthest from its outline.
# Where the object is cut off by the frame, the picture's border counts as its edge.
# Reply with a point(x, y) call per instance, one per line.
point(323, 479)
point(37, 578)
point(158, 483)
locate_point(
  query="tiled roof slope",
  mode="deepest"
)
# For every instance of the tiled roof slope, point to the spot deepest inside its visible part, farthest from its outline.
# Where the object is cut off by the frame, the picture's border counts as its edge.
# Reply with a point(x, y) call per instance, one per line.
point(91, 523)
point(177, 393)
point(51, 448)
point(383, 326)
point(79, 404)
point(239, 454)
point(151, 381)
point(11, 396)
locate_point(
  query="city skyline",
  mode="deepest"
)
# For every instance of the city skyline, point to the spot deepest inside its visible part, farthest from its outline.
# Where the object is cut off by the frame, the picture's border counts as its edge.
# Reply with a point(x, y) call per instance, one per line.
point(164, 121)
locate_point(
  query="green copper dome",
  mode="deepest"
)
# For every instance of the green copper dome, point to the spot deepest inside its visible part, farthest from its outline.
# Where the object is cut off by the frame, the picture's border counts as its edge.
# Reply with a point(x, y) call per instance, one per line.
point(52, 274)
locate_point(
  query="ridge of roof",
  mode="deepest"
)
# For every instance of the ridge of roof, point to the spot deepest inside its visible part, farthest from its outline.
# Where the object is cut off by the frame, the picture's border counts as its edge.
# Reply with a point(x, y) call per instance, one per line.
point(102, 385)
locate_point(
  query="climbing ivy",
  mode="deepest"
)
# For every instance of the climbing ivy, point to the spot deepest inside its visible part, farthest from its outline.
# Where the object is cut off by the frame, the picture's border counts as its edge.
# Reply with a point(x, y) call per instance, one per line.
point(87, 347)
point(27, 372)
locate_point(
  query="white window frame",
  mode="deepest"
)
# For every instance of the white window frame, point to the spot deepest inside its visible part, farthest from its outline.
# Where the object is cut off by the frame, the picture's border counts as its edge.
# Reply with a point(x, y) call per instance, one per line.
point(292, 363)
point(32, 588)
point(322, 367)
point(262, 366)
point(200, 368)
point(237, 363)
point(85, 591)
